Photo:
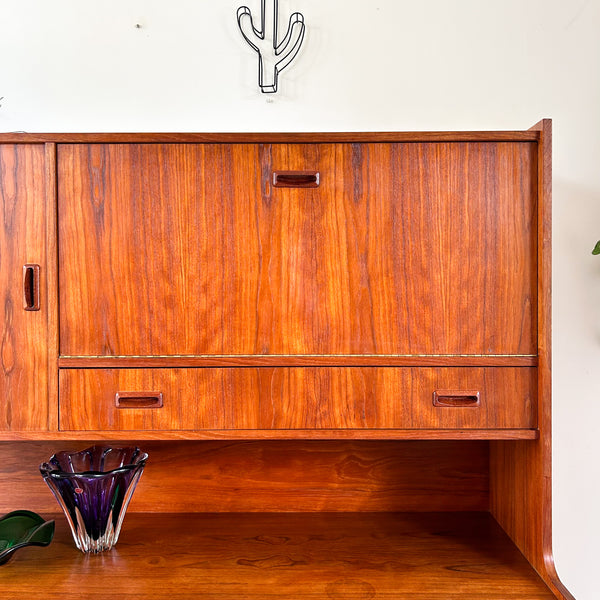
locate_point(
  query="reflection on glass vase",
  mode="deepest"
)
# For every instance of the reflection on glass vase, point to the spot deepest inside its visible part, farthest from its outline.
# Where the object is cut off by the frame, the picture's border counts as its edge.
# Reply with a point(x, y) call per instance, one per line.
point(94, 487)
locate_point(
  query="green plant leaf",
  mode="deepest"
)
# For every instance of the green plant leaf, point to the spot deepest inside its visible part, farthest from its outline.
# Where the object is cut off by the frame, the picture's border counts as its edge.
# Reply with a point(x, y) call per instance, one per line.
point(596, 249)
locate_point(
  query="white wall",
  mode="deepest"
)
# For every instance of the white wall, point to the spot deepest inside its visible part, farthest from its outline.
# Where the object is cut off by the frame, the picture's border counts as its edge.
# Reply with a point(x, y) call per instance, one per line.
point(78, 65)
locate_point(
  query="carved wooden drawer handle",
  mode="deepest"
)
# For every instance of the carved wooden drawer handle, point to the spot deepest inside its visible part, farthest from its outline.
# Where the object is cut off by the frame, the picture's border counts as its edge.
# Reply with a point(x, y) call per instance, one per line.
point(31, 287)
point(456, 398)
point(296, 179)
point(138, 399)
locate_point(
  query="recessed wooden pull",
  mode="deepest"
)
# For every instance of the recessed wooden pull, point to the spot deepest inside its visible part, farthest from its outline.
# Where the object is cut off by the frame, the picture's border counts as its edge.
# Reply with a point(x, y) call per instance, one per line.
point(456, 398)
point(296, 179)
point(138, 399)
point(31, 287)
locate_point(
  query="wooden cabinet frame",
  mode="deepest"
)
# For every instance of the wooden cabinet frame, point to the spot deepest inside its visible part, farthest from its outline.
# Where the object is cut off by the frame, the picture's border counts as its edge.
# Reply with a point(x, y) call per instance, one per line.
point(504, 472)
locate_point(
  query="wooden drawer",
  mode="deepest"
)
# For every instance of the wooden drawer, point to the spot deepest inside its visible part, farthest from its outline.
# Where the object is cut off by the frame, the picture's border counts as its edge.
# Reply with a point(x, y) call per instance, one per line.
point(298, 398)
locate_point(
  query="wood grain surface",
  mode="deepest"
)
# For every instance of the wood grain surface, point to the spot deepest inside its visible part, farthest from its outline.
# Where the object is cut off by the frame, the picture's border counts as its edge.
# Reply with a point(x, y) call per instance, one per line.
point(521, 473)
point(23, 334)
point(421, 262)
point(252, 137)
point(431, 556)
point(52, 283)
point(297, 398)
point(282, 476)
point(295, 360)
point(273, 434)
point(420, 248)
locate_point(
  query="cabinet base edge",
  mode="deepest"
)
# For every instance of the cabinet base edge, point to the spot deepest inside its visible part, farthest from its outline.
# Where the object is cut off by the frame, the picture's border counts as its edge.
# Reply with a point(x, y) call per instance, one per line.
point(279, 434)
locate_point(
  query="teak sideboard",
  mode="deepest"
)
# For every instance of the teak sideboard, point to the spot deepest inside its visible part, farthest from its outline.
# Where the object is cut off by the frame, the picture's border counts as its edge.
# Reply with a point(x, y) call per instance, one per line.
point(335, 348)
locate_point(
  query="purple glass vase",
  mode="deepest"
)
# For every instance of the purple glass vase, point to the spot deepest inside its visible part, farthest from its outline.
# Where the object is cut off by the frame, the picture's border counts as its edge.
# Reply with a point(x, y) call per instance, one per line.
point(94, 487)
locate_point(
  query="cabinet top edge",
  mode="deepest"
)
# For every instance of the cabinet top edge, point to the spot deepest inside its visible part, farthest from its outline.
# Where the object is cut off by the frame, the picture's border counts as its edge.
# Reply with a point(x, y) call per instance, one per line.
point(279, 137)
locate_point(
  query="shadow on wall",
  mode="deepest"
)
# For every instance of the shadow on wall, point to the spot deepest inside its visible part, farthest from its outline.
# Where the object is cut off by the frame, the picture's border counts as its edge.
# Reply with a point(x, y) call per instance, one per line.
point(576, 277)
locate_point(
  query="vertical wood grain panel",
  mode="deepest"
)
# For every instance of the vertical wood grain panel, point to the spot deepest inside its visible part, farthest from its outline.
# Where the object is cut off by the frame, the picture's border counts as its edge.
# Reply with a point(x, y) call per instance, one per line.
point(276, 476)
point(402, 249)
point(23, 334)
point(52, 284)
point(411, 248)
point(158, 248)
point(521, 473)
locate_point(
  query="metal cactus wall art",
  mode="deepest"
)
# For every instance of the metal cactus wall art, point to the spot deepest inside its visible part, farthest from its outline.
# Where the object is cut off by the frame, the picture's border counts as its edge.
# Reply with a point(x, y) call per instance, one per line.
point(273, 56)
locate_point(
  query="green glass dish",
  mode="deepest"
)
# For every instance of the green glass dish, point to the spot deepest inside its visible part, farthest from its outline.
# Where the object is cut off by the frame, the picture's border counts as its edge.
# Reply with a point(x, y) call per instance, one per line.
point(22, 528)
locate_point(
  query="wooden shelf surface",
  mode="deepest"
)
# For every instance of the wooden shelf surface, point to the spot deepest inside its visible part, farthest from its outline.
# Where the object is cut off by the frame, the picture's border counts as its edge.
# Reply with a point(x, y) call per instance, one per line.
point(350, 556)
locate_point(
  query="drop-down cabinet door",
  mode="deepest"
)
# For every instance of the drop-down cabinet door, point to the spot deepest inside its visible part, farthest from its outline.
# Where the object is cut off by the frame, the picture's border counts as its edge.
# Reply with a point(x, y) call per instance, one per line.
point(421, 249)
point(23, 294)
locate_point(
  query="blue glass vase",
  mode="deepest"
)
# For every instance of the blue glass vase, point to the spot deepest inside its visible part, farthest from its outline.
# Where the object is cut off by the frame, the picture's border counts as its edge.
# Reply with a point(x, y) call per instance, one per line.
point(94, 487)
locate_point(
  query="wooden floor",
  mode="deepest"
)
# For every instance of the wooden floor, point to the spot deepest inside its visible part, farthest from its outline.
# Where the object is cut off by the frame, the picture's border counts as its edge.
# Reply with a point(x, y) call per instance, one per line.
point(329, 556)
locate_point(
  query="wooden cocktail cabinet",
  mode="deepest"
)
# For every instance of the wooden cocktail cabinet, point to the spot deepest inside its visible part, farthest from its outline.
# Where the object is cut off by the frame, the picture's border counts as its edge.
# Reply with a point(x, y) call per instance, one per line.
point(335, 348)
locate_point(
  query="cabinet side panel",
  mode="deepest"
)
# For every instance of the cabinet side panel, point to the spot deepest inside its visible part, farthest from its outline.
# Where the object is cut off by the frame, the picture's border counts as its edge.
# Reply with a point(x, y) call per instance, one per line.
point(307, 476)
point(521, 501)
point(23, 333)
point(521, 472)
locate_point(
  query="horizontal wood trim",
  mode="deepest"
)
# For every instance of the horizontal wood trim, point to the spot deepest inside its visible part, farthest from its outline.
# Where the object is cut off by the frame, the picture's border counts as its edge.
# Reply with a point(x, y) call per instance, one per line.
point(278, 434)
point(91, 362)
point(275, 137)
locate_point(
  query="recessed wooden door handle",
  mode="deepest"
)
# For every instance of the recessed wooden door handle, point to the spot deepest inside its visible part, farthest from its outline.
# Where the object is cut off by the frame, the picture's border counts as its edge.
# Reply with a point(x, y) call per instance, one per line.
point(31, 287)
point(456, 398)
point(296, 179)
point(138, 399)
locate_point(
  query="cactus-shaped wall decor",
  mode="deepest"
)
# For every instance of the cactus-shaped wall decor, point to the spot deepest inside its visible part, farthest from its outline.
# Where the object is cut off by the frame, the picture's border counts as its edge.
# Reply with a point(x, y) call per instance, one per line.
point(273, 56)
